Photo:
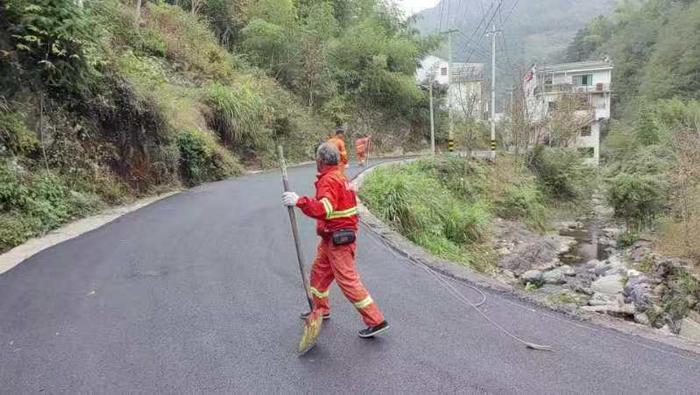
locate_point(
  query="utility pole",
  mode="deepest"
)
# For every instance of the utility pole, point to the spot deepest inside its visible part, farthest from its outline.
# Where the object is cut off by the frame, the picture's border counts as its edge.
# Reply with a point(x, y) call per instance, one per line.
point(432, 120)
point(138, 13)
point(493, 91)
point(450, 138)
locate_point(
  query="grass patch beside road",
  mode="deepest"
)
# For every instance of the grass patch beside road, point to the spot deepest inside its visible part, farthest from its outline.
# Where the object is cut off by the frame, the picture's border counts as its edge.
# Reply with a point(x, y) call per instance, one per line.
point(446, 205)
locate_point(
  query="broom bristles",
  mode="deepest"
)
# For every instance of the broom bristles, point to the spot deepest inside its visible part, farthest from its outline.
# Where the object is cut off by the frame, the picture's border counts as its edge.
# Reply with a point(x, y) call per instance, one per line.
point(311, 330)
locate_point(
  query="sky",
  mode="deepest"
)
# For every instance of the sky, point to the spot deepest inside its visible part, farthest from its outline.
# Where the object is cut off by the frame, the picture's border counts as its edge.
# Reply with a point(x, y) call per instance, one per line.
point(413, 6)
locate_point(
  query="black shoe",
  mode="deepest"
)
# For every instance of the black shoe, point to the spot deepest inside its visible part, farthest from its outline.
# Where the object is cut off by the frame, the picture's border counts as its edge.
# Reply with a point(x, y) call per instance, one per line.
point(374, 330)
point(303, 316)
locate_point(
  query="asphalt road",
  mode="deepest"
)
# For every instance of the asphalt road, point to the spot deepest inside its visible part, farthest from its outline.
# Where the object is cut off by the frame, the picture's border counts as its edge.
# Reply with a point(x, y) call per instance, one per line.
point(200, 292)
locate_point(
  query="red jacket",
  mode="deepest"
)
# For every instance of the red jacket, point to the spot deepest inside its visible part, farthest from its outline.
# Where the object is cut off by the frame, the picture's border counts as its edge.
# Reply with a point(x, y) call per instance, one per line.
point(335, 206)
point(362, 145)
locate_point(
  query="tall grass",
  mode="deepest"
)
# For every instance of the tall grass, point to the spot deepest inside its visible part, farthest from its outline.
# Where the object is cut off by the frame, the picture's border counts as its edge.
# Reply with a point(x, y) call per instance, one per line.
point(446, 205)
point(428, 213)
point(240, 115)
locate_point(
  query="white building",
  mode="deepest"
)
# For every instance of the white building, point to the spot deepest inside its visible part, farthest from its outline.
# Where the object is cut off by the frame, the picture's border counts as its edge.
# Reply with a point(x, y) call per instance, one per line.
point(465, 94)
point(543, 86)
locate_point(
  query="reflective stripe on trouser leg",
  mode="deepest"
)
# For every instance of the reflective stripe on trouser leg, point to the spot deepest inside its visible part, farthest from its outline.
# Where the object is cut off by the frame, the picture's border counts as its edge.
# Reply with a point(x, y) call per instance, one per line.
point(342, 261)
point(321, 279)
point(364, 302)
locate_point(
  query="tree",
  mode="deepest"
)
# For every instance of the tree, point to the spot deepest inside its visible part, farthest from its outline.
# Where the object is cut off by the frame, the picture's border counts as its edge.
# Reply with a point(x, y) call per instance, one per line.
point(572, 116)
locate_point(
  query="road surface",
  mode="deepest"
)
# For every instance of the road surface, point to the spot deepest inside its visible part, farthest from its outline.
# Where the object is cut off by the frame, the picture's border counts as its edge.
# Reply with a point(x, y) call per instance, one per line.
point(200, 292)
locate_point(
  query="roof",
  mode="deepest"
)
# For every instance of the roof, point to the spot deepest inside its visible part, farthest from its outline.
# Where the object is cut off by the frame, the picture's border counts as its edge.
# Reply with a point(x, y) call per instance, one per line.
point(577, 67)
point(467, 71)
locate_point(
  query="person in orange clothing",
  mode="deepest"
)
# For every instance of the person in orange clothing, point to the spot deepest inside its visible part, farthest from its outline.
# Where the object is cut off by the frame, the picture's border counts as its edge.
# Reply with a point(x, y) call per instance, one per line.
point(335, 209)
point(362, 148)
point(339, 141)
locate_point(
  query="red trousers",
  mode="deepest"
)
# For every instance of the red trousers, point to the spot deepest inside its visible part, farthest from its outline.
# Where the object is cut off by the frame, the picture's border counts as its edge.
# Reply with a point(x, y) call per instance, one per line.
point(337, 263)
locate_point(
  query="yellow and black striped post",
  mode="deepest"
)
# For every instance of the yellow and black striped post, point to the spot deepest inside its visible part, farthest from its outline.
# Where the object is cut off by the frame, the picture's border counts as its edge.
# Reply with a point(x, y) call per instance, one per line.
point(451, 145)
point(493, 149)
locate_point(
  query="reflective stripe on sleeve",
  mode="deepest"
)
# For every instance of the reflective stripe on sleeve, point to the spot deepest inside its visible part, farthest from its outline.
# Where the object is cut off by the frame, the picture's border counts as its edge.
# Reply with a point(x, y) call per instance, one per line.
point(327, 206)
point(319, 294)
point(364, 302)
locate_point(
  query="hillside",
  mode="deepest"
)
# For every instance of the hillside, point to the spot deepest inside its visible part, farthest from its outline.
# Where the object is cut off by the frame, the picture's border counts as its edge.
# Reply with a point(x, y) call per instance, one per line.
point(653, 147)
point(533, 30)
point(103, 102)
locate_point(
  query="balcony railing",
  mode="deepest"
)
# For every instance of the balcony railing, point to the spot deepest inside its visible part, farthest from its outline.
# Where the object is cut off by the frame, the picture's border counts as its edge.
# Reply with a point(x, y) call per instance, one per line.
point(570, 88)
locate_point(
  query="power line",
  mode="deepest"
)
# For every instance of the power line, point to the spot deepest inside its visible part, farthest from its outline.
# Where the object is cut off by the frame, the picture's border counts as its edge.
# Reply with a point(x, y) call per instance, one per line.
point(493, 15)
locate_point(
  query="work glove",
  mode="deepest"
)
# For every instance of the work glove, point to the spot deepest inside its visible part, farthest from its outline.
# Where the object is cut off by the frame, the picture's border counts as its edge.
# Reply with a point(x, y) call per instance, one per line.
point(290, 199)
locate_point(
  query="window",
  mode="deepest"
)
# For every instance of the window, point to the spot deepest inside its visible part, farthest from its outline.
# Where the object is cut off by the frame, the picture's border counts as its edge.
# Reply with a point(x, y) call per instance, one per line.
point(585, 131)
point(583, 80)
point(443, 71)
point(552, 106)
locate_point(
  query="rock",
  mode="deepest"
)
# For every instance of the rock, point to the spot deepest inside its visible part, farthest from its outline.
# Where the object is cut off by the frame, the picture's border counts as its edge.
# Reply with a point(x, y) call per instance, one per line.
point(660, 290)
point(507, 277)
point(565, 244)
point(609, 285)
point(504, 251)
point(580, 287)
point(641, 318)
point(567, 270)
point(614, 309)
point(532, 276)
point(601, 269)
point(612, 232)
point(616, 264)
point(600, 299)
point(662, 267)
point(592, 263)
point(633, 273)
point(569, 225)
point(554, 276)
point(638, 291)
point(694, 316)
point(691, 300)
point(547, 265)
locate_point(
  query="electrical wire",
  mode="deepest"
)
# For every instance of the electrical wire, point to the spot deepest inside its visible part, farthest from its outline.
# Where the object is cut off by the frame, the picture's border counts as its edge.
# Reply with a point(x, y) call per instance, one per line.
point(440, 278)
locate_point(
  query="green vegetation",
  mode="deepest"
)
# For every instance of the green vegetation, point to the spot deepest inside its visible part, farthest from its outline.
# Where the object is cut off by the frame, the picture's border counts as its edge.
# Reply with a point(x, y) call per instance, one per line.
point(202, 159)
point(32, 203)
point(446, 205)
point(104, 102)
point(653, 149)
point(561, 173)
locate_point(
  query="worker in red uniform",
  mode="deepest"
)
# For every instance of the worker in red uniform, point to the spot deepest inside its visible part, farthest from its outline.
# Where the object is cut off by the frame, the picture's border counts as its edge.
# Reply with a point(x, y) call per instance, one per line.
point(339, 141)
point(362, 148)
point(334, 208)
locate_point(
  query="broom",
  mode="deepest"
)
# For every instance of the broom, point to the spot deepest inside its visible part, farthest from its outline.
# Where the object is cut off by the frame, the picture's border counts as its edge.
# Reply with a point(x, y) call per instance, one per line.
point(312, 323)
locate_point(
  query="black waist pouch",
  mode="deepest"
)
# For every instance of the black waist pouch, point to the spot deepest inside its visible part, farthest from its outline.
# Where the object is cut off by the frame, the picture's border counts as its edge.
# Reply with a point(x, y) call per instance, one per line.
point(343, 237)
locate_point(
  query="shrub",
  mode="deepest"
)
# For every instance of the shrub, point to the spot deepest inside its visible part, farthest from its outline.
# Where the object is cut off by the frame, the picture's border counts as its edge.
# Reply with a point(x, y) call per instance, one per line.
point(464, 178)
point(189, 42)
point(15, 137)
point(202, 159)
point(561, 173)
point(637, 199)
point(522, 203)
point(31, 204)
point(16, 229)
point(52, 40)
